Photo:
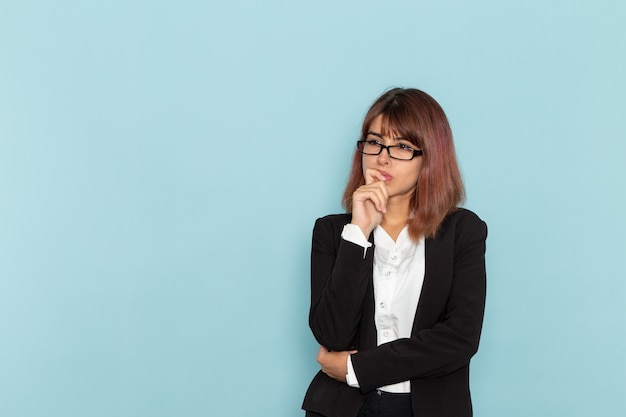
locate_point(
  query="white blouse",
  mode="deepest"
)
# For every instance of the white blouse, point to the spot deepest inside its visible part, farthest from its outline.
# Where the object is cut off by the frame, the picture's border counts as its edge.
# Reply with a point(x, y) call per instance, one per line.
point(398, 277)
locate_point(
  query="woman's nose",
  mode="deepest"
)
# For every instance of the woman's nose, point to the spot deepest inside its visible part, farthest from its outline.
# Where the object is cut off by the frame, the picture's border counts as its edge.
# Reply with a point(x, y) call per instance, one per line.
point(383, 157)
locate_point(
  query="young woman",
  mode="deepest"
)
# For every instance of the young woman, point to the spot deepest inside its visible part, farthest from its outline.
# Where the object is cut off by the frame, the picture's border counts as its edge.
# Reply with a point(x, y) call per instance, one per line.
point(398, 283)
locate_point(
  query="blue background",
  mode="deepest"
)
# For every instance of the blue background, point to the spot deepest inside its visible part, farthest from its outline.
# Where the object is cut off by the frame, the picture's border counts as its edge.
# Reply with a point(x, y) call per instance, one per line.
point(162, 164)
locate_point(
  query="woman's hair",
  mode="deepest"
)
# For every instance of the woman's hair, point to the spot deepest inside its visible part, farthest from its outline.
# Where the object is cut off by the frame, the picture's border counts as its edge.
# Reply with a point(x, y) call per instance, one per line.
point(417, 117)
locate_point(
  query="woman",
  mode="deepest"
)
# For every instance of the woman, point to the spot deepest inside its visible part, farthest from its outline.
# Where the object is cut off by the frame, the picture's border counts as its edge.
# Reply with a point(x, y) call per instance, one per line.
point(398, 284)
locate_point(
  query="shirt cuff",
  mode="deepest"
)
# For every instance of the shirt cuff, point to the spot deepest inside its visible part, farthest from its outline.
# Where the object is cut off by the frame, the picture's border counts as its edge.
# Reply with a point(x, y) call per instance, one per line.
point(353, 233)
point(351, 378)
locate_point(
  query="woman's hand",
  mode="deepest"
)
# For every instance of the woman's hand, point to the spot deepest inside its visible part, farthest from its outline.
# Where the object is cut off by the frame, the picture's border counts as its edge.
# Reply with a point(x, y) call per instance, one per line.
point(334, 364)
point(369, 202)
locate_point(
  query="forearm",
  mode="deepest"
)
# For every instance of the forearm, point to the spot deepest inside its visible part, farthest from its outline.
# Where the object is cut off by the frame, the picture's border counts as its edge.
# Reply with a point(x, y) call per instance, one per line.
point(338, 295)
point(341, 265)
point(431, 354)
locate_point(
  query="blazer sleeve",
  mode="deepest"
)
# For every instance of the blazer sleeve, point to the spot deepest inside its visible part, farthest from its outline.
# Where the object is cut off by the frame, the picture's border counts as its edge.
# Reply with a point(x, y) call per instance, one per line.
point(448, 343)
point(340, 275)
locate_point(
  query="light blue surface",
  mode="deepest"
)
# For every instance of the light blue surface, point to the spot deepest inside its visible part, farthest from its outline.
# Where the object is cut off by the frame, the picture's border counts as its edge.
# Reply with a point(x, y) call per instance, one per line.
point(161, 166)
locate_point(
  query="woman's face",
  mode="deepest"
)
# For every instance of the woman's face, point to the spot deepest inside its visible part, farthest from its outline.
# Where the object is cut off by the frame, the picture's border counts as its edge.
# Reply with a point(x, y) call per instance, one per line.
point(400, 176)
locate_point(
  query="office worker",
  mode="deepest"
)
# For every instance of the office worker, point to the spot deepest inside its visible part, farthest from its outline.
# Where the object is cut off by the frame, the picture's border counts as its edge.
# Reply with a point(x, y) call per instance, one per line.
point(398, 282)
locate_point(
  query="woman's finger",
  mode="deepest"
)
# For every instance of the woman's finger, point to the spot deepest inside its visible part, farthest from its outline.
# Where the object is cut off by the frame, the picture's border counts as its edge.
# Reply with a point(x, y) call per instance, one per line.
point(375, 195)
point(372, 175)
point(377, 192)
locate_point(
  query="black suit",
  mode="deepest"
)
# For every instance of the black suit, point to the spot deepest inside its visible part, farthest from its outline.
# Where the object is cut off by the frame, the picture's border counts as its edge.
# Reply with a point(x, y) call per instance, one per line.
point(446, 328)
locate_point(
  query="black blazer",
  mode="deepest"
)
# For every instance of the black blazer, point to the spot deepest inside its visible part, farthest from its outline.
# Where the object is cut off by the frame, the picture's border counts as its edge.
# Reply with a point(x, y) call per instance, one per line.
point(446, 329)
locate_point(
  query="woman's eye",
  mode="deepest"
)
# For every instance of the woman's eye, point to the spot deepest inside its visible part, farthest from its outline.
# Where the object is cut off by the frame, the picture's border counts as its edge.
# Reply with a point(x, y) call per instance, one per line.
point(372, 142)
point(406, 147)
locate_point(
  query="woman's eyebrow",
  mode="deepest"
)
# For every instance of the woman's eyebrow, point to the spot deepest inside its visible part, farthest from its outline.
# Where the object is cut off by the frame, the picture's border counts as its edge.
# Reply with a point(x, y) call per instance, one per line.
point(398, 138)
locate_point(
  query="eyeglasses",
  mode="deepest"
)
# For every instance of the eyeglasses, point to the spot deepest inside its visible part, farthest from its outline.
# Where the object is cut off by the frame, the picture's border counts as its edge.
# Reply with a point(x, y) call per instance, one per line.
point(402, 152)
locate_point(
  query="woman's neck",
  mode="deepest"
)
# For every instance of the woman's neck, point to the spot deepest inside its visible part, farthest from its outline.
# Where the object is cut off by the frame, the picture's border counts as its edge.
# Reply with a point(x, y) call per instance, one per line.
point(396, 217)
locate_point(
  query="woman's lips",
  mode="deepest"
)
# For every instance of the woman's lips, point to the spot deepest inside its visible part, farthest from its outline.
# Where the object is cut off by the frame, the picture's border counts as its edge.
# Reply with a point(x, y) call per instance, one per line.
point(386, 177)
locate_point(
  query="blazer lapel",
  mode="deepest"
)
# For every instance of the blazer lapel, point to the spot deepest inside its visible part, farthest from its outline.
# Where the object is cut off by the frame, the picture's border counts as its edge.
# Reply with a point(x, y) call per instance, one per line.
point(437, 276)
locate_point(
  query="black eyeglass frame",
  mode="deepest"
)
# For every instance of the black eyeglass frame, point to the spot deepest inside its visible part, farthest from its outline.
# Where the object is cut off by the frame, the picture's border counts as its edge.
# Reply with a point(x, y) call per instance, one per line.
point(416, 152)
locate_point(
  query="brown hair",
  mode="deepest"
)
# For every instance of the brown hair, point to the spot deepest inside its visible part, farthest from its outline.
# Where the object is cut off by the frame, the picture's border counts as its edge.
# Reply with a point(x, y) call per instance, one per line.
point(417, 117)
